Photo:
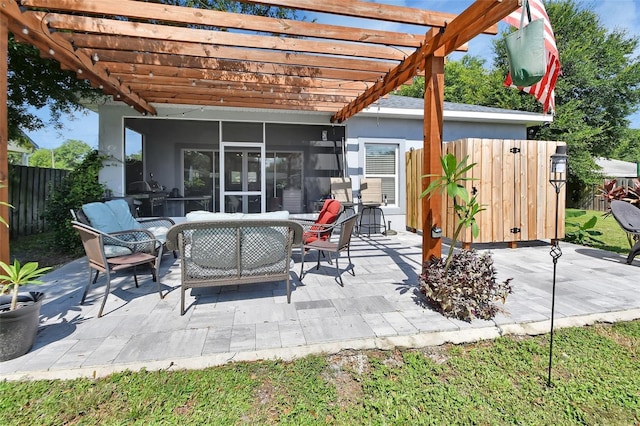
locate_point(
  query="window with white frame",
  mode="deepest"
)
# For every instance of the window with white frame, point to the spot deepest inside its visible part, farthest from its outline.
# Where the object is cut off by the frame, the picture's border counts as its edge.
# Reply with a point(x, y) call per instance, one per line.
point(381, 161)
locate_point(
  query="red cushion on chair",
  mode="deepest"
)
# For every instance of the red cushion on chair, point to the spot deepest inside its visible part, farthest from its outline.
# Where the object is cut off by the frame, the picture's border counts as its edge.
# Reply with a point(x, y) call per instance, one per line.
point(328, 214)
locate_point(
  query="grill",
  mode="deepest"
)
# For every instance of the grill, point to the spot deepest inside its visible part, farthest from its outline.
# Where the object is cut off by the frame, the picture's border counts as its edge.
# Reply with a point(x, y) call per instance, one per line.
point(151, 196)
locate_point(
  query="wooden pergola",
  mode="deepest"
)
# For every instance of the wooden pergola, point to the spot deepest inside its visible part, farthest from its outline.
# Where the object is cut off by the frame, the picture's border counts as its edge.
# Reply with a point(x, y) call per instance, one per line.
point(145, 54)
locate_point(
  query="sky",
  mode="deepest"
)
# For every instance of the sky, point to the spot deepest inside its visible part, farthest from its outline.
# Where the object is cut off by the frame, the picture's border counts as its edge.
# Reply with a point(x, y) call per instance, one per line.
point(613, 14)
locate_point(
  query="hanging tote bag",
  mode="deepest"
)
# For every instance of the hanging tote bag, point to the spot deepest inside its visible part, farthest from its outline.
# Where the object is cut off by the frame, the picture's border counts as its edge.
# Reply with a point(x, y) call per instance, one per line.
point(525, 51)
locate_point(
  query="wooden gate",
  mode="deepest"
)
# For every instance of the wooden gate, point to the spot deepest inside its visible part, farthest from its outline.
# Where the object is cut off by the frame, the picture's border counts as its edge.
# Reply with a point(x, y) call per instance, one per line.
point(512, 180)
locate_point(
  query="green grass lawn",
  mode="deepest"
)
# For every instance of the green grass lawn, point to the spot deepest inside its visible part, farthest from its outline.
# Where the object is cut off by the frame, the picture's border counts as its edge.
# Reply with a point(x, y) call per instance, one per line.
point(503, 381)
point(613, 238)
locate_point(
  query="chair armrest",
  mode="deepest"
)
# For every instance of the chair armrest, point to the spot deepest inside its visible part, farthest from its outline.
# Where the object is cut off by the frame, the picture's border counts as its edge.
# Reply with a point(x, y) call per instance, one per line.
point(137, 240)
point(150, 222)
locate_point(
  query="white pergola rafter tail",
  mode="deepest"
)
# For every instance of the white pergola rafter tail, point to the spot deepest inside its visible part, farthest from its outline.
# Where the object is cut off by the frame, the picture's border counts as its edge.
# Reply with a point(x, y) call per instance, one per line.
point(194, 35)
point(214, 18)
point(28, 29)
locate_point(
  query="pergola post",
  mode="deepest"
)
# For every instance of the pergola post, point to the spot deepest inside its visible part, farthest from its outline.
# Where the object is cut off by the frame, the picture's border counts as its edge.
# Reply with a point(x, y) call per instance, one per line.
point(433, 113)
point(4, 136)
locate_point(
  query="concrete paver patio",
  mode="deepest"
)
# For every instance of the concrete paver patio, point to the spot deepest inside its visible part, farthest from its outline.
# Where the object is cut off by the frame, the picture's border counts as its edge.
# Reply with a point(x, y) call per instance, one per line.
point(379, 307)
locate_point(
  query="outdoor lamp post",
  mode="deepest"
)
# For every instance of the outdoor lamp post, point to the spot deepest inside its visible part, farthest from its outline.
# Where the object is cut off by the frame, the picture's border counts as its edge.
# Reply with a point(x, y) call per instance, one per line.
point(557, 178)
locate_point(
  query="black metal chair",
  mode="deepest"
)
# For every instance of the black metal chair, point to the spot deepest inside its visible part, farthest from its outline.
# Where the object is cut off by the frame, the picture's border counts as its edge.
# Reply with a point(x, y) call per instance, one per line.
point(344, 242)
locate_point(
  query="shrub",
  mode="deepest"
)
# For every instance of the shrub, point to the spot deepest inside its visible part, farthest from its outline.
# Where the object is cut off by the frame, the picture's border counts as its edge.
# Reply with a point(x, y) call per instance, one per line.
point(79, 187)
point(582, 234)
point(468, 289)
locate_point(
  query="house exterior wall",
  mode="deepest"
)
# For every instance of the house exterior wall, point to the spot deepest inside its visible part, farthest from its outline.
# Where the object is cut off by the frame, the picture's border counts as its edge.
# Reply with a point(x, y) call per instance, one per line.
point(178, 128)
point(408, 134)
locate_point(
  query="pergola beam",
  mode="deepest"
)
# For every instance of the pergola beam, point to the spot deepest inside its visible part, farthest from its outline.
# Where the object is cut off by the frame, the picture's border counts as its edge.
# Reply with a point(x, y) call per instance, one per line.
point(377, 11)
point(218, 19)
point(194, 35)
point(28, 28)
point(480, 14)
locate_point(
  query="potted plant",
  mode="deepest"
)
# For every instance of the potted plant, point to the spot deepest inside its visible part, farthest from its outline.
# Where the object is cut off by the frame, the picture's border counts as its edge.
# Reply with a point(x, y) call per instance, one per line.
point(463, 285)
point(19, 313)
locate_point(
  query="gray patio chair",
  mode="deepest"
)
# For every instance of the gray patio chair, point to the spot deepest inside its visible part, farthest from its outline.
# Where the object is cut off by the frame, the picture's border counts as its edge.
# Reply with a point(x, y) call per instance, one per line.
point(97, 246)
point(343, 243)
point(628, 217)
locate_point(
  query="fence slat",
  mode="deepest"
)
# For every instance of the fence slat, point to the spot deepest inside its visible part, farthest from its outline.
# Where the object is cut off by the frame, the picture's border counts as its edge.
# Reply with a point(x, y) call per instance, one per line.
point(513, 187)
point(29, 189)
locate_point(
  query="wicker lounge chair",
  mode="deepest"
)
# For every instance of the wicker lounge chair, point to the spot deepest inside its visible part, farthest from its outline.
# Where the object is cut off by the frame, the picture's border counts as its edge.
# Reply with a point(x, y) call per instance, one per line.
point(103, 256)
point(230, 252)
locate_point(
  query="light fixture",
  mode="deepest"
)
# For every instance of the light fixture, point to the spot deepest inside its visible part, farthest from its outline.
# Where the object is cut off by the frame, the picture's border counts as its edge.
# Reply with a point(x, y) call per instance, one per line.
point(79, 70)
point(151, 74)
point(558, 167)
point(25, 30)
point(95, 58)
point(51, 52)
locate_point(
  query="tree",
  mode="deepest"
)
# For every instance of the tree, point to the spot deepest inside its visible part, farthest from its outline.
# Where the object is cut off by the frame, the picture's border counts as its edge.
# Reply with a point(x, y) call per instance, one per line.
point(67, 156)
point(598, 89)
point(35, 82)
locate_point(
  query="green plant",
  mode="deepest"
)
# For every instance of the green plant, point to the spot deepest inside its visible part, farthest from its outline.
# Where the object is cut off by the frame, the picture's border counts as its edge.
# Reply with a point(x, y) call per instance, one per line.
point(18, 275)
point(465, 207)
point(4, 203)
point(79, 187)
point(464, 285)
point(583, 234)
point(468, 289)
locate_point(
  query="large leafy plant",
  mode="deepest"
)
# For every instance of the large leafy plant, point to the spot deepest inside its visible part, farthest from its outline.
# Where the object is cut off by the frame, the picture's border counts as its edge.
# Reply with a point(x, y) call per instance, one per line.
point(464, 285)
point(582, 233)
point(468, 289)
point(81, 186)
point(16, 275)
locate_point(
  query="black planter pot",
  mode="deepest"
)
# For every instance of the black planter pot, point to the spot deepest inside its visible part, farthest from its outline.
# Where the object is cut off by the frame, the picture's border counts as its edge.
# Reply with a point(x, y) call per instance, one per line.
point(18, 328)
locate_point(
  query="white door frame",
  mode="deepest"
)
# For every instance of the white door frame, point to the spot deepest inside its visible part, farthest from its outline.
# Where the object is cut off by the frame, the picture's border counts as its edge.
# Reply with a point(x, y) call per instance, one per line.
point(242, 146)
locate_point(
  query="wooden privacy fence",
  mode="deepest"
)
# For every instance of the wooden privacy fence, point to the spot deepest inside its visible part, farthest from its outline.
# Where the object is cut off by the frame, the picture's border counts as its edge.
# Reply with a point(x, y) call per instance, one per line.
point(29, 189)
point(512, 180)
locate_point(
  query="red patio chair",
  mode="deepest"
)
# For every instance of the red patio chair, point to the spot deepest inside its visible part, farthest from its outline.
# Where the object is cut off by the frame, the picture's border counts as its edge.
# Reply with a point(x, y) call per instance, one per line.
point(321, 228)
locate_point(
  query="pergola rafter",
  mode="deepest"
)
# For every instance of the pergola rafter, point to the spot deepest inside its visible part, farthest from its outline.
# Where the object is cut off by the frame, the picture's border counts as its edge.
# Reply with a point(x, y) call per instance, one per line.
point(147, 54)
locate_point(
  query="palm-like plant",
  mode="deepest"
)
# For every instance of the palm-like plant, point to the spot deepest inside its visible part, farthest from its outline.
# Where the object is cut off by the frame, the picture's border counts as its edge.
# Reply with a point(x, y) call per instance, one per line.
point(16, 275)
point(465, 206)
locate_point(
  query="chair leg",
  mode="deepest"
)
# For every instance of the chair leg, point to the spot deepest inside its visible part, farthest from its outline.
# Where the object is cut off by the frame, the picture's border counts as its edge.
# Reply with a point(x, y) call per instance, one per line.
point(635, 250)
point(353, 268)
point(157, 281)
point(86, 289)
point(96, 277)
point(135, 277)
point(302, 264)
point(319, 253)
point(338, 271)
point(288, 290)
point(157, 267)
point(106, 292)
point(182, 291)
